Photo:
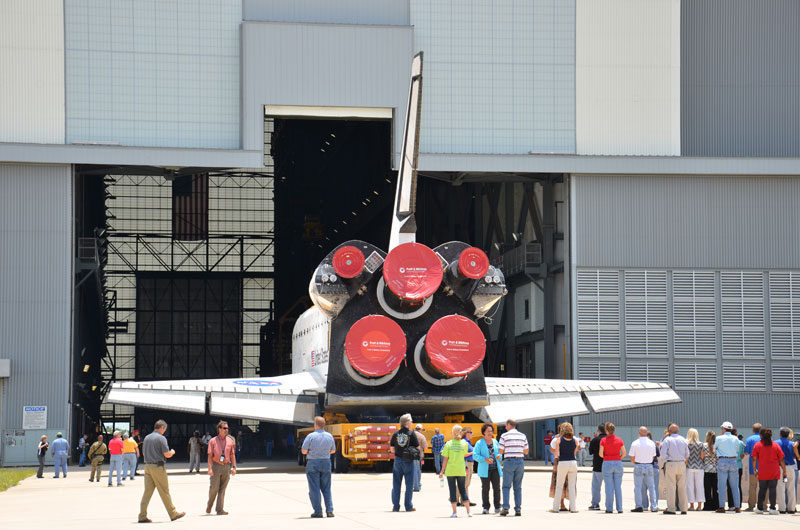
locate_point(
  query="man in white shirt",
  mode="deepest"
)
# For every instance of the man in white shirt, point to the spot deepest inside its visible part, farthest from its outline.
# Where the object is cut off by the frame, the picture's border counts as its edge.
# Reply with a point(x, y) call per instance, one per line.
point(642, 453)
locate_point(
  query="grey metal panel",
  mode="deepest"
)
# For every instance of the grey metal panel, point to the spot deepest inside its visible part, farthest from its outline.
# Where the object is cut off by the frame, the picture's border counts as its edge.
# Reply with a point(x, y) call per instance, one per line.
point(136, 156)
point(323, 65)
point(499, 76)
point(740, 78)
point(162, 73)
point(709, 409)
point(381, 12)
point(35, 290)
point(32, 66)
point(675, 222)
point(607, 165)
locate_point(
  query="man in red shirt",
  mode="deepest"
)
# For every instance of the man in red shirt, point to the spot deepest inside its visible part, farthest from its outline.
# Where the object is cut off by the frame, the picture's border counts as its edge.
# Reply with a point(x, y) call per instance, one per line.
point(767, 457)
point(115, 450)
point(548, 454)
point(221, 466)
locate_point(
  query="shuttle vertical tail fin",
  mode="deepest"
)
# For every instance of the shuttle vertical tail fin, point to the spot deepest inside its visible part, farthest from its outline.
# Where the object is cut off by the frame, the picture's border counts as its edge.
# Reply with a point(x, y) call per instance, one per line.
point(404, 227)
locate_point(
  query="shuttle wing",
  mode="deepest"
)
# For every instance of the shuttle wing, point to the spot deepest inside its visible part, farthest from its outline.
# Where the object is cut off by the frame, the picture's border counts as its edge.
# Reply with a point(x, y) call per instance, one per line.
point(537, 399)
point(285, 399)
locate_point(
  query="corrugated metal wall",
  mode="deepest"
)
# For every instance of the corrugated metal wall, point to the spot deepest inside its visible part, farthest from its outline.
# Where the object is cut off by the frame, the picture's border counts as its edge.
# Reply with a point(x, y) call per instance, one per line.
point(323, 65)
point(740, 78)
point(378, 12)
point(499, 76)
point(160, 74)
point(35, 290)
point(709, 409)
point(627, 69)
point(32, 71)
point(702, 222)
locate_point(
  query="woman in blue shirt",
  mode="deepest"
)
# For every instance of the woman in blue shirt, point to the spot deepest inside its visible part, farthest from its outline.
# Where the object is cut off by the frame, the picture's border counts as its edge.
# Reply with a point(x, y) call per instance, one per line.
point(489, 469)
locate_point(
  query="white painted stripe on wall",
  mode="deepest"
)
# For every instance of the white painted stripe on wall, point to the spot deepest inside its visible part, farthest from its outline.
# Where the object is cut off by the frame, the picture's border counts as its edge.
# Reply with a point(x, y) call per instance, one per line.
point(628, 77)
point(32, 71)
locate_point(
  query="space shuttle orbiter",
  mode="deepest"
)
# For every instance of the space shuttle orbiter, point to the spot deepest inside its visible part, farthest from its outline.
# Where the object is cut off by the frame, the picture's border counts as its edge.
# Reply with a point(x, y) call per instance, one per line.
point(394, 332)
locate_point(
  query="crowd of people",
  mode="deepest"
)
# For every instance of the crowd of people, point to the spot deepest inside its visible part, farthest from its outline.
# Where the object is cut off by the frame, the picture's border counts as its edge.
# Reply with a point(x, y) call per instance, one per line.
point(689, 474)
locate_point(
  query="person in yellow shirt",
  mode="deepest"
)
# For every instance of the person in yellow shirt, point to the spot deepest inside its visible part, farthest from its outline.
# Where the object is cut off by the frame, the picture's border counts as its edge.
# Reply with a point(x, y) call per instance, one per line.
point(130, 454)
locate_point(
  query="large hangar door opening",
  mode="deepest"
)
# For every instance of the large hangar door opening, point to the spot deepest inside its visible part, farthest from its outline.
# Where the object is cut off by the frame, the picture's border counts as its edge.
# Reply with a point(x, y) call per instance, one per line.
point(333, 182)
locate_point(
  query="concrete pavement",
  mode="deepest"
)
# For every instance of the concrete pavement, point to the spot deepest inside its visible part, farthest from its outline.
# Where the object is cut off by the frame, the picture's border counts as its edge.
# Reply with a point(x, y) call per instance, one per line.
point(274, 494)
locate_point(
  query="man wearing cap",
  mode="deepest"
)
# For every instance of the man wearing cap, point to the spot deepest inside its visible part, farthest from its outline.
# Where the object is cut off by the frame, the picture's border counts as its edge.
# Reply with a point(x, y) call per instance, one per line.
point(726, 448)
point(115, 447)
point(423, 446)
point(60, 451)
point(96, 455)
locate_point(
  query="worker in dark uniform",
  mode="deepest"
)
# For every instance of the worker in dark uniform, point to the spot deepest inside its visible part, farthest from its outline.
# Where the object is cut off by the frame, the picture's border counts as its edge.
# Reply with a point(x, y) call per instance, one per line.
point(97, 453)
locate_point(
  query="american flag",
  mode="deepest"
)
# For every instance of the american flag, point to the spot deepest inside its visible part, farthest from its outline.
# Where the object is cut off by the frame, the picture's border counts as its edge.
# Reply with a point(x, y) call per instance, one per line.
point(190, 207)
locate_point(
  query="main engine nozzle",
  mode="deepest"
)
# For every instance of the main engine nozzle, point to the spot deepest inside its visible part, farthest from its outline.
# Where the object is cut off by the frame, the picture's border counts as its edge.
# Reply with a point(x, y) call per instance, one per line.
point(453, 348)
point(412, 272)
point(374, 348)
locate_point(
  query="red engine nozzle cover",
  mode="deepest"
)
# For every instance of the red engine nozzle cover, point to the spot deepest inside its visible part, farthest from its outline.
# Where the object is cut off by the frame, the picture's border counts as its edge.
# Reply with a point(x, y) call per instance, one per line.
point(473, 263)
point(348, 261)
point(412, 272)
point(375, 345)
point(455, 345)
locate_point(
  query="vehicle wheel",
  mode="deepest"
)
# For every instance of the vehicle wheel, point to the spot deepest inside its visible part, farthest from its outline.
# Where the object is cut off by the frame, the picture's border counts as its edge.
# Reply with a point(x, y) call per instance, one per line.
point(383, 466)
point(339, 463)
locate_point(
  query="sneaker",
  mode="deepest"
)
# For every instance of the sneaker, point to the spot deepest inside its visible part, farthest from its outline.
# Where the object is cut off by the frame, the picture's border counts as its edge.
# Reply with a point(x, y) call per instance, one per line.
point(594, 508)
point(517, 513)
point(485, 511)
point(503, 512)
point(453, 515)
point(654, 510)
point(774, 512)
point(469, 514)
point(497, 510)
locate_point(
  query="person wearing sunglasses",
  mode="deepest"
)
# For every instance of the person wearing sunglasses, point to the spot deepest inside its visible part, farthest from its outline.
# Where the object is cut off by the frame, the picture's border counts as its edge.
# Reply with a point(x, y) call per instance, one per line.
point(221, 466)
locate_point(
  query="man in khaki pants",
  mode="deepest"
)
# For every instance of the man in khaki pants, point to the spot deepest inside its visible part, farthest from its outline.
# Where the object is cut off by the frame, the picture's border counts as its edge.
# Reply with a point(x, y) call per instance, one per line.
point(221, 465)
point(675, 455)
point(97, 453)
point(156, 451)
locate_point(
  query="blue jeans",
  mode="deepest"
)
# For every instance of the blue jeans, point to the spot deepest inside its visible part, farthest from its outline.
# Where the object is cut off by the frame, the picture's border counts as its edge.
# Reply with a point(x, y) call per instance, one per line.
point(417, 475)
point(60, 462)
point(437, 461)
point(128, 465)
point(645, 493)
point(318, 473)
point(597, 482)
point(728, 471)
point(513, 471)
point(548, 456)
point(115, 463)
point(403, 469)
point(612, 476)
point(82, 458)
point(643, 478)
